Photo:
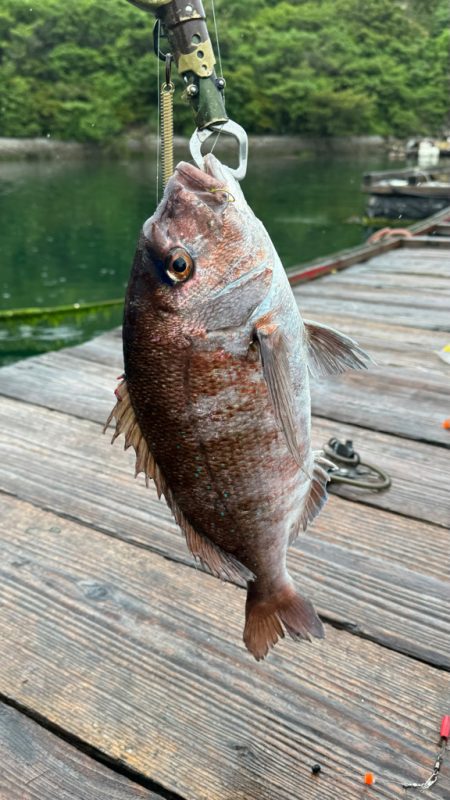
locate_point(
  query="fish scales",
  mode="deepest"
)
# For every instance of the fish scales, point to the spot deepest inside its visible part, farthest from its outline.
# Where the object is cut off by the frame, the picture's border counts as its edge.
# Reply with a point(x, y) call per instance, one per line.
point(215, 397)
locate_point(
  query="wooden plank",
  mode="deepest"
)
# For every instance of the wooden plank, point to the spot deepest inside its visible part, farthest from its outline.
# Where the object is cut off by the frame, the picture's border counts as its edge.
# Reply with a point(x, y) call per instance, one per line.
point(371, 308)
point(405, 403)
point(77, 475)
point(124, 650)
point(346, 258)
point(416, 470)
point(390, 345)
point(404, 366)
point(62, 382)
point(380, 281)
point(418, 300)
point(76, 447)
point(74, 460)
point(430, 241)
point(37, 765)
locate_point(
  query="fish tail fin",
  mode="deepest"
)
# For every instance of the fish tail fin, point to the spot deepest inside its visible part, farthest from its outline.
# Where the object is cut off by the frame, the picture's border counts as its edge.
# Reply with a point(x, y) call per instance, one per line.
point(269, 614)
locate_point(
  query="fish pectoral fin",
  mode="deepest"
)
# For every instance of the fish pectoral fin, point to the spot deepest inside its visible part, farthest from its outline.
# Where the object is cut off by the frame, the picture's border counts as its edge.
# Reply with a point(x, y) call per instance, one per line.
point(331, 352)
point(317, 495)
point(275, 364)
point(219, 563)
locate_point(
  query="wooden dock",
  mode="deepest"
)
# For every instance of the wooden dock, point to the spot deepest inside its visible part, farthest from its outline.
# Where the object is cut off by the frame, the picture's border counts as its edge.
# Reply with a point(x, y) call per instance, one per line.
point(123, 674)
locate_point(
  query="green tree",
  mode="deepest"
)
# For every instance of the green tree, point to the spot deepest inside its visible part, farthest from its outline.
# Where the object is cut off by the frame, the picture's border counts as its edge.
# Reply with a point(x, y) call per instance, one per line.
point(321, 67)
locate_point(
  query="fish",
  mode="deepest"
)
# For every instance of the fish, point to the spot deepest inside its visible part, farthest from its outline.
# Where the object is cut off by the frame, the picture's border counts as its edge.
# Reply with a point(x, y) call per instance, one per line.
point(215, 396)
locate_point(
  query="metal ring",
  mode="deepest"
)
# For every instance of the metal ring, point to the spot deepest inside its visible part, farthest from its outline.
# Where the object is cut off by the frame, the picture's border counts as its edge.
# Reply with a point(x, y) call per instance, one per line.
point(232, 129)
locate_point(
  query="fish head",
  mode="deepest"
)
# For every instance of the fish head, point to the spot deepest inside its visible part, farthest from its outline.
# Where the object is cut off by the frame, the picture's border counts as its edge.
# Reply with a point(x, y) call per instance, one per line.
point(205, 256)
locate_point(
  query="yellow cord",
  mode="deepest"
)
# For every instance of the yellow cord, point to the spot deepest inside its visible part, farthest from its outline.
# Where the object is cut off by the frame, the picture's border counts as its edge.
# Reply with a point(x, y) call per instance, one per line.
point(167, 90)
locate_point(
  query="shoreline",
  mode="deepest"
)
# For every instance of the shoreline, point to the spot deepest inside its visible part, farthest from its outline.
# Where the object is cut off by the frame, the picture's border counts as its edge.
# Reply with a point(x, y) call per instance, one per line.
point(140, 144)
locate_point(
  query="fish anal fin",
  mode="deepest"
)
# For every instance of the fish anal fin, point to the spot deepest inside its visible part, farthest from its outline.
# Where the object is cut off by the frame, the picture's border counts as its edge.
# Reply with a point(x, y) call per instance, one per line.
point(317, 495)
point(331, 352)
point(219, 563)
point(269, 614)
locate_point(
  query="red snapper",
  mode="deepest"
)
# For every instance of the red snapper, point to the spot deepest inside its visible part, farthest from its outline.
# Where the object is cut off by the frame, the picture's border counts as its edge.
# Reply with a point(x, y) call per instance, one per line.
point(215, 398)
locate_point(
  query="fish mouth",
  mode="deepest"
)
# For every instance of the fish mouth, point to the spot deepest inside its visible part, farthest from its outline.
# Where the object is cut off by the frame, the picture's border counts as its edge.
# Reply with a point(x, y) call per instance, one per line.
point(200, 180)
point(195, 179)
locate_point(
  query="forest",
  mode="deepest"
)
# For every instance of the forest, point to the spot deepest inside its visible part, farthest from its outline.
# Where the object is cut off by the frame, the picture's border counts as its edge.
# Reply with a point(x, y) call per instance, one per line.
point(83, 70)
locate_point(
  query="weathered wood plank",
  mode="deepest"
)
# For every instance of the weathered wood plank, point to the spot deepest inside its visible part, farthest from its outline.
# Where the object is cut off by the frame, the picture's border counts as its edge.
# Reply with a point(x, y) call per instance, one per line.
point(387, 281)
point(56, 453)
point(409, 401)
point(405, 403)
point(63, 382)
point(131, 655)
point(417, 471)
point(36, 765)
point(344, 548)
point(389, 345)
point(423, 302)
point(371, 308)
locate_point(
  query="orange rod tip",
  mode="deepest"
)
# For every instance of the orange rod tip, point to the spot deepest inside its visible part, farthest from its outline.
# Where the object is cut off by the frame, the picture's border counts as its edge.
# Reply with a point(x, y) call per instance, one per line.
point(369, 778)
point(446, 424)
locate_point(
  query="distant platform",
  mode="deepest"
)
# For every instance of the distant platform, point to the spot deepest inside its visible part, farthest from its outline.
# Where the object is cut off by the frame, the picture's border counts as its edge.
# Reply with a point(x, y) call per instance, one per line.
point(123, 673)
point(412, 193)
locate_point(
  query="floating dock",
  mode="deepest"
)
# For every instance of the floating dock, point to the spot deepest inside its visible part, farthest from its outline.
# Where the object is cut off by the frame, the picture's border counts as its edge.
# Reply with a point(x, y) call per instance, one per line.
point(411, 193)
point(123, 673)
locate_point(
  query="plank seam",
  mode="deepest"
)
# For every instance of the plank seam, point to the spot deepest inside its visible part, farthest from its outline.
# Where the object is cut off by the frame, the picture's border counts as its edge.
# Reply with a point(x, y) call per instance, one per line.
point(87, 749)
point(348, 627)
point(354, 629)
point(403, 436)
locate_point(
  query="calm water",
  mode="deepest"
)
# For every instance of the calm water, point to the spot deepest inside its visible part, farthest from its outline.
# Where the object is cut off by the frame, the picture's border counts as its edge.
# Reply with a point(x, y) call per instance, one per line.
point(68, 231)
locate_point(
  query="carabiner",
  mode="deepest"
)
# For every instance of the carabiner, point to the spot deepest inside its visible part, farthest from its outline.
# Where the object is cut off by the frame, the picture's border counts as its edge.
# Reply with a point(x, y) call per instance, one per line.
point(229, 128)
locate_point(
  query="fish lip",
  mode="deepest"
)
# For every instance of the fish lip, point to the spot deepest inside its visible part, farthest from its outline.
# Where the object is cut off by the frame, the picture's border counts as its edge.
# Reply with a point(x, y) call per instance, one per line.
point(195, 179)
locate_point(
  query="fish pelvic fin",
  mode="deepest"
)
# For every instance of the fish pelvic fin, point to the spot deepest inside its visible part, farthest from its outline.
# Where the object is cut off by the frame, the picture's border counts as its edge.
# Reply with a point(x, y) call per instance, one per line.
point(317, 495)
point(331, 352)
point(219, 563)
point(268, 615)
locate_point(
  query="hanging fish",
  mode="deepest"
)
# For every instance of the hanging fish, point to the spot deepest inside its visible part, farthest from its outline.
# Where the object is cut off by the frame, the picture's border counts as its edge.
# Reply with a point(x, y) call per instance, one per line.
point(215, 398)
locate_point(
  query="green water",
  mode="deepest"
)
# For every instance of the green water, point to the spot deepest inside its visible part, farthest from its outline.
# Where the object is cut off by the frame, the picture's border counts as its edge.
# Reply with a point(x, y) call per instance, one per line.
point(68, 231)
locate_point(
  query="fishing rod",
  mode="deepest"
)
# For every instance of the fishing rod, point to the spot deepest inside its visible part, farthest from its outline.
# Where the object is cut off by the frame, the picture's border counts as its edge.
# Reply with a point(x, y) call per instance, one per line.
point(183, 24)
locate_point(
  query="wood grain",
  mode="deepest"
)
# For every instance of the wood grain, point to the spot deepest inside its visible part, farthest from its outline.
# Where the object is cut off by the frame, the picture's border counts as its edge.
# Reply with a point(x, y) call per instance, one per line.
point(399, 601)
point(407, 393)
point(45, 452)
point(126, 650)
point(37, 765)
point(418, 471)
point(402, 403)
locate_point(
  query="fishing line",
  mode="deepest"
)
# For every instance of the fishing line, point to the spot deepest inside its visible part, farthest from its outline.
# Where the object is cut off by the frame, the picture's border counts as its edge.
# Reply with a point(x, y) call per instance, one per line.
point(216, 35)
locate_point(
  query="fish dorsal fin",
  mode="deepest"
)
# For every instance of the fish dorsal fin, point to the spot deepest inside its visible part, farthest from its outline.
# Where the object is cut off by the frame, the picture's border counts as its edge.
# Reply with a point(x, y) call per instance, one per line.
point(217, 562)
point(275, 364)
point(331, 352)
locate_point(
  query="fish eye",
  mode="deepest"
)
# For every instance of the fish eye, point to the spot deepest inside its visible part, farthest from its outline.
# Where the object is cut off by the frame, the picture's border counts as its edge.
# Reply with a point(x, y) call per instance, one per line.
point(179, 265)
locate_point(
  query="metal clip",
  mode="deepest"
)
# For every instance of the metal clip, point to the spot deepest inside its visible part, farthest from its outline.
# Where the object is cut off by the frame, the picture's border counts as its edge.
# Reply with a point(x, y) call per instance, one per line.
point(229, 128)
point(351, 470)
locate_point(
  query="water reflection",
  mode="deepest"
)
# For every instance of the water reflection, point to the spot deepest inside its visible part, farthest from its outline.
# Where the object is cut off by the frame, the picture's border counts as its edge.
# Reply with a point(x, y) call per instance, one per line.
point(69, 229)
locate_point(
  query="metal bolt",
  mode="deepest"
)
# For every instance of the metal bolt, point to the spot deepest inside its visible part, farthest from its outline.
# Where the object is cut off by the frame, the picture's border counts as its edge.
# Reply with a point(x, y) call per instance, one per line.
point(220, 83)
point(192, 90)
point(188, 9)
